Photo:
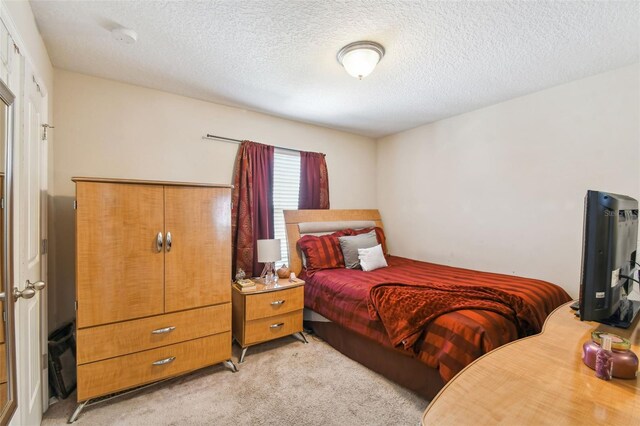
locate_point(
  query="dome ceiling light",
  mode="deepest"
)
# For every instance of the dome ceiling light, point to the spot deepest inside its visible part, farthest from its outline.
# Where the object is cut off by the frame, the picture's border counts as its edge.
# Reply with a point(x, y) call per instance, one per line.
point(360, 58)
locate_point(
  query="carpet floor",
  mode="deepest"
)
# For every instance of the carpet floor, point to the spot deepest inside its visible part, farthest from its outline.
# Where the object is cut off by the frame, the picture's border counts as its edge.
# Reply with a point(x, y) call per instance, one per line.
point(283, 382)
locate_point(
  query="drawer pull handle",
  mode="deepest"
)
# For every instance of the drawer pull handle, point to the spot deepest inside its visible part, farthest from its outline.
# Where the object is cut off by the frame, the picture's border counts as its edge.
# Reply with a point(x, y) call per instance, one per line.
point(163, 330)
point(164, 361)
point(280, 324)
point(277, 302)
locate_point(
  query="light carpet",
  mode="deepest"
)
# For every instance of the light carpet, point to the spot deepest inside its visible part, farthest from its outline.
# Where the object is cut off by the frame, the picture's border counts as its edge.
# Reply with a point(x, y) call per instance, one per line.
point(283, 382)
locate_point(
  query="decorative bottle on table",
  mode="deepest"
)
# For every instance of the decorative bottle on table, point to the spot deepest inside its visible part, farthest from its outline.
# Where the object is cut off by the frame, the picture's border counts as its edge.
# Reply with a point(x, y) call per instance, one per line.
point(604, 360)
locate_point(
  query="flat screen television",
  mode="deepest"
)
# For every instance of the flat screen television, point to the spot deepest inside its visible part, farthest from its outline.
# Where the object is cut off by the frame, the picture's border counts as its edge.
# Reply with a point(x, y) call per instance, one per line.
point(609, 259)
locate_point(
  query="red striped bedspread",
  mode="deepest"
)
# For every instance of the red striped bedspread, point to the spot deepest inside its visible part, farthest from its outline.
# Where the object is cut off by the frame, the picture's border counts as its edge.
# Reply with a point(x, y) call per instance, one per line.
point(451, 341)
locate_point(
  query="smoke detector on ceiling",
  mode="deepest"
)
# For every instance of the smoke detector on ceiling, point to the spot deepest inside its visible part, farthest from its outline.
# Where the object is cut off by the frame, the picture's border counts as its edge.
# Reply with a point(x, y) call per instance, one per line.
point(125, 35)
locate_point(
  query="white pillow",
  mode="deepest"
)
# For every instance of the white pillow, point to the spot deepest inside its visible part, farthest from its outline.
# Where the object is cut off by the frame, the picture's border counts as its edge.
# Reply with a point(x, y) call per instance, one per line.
point(372, 258)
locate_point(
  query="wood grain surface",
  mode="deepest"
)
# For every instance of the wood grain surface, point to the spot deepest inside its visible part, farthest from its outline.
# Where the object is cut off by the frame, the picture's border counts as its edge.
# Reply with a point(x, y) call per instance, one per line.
point(540, 380)
point(253, 314)
point(262, 330)
point(128, 286)
point(103, 377)
point(107, 341)
point(3, 364)
point(119, 272)
point(263, 305)
point(3, 394)
point(238, 310)
point(148, 182)
point(198, 266)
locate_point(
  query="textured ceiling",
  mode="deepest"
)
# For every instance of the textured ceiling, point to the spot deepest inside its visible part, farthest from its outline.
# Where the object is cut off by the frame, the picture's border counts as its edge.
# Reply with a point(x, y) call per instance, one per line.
point(279, 56)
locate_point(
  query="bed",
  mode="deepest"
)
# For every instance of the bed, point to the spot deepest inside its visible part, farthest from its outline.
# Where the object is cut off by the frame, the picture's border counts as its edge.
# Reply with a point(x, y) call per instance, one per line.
point(338, 307)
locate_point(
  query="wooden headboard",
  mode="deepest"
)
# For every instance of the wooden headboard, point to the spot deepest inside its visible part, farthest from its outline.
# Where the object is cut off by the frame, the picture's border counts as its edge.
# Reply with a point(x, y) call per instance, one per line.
point(294, 217)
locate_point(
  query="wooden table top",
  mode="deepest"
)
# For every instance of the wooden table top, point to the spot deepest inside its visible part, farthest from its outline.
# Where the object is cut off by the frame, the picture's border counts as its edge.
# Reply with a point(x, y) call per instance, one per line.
point(540, 380)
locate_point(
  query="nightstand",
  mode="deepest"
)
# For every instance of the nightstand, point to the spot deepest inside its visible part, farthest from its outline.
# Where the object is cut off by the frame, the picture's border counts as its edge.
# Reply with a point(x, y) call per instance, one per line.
point(267, 313)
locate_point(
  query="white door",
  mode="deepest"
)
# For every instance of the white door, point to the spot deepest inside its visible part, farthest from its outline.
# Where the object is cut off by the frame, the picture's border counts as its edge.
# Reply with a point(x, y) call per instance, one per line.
point(30, 325)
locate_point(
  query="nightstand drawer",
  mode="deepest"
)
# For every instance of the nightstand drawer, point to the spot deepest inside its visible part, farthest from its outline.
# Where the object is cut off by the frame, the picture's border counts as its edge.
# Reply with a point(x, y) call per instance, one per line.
point(265, 305)
point(107, 341)
point(261, 330)
point(115, 374)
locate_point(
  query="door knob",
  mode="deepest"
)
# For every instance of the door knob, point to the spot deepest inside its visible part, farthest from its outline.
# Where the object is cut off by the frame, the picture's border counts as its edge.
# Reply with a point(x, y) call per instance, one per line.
point(38, 285)
point(27, 293)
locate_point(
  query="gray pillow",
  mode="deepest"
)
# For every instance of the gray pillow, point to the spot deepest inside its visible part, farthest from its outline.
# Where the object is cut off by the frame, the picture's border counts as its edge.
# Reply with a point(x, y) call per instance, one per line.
point(350, 245)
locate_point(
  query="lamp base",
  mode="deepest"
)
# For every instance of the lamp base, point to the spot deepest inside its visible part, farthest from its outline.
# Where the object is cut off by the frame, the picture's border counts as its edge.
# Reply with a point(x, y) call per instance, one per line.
point(268, 275)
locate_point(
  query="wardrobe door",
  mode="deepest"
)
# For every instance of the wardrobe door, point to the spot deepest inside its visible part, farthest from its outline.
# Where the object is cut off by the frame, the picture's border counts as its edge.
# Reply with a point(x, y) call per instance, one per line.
point(120, 258)
point(198, 260)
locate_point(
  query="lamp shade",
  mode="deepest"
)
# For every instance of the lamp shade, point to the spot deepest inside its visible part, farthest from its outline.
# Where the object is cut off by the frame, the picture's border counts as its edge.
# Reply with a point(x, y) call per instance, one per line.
point(268, 251)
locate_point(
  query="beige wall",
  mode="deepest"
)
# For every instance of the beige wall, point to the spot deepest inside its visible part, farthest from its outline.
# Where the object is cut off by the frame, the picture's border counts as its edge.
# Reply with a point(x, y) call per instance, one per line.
point(110, 129)
point(501, 189)
point(498, 189)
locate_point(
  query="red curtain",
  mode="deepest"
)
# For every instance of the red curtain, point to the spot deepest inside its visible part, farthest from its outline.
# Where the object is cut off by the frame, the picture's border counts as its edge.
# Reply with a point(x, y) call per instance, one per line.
point(251, 204)
point(314, 181)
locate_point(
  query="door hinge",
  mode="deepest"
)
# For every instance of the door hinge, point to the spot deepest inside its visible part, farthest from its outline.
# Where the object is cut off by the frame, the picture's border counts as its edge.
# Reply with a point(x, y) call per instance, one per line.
point(45, 127)
point(2, 203)
point(4, 316)
point(33, 77)
point(44, 247)
point(76, 305)
point(75, 204)
point(45, 361)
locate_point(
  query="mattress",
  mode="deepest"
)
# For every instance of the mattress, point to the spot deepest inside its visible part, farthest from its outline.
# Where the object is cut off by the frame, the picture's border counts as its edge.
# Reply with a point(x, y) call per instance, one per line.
point(451, 341)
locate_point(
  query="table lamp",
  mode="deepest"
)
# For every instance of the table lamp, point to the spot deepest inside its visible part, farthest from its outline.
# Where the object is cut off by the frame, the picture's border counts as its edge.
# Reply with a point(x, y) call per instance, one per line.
point(269, 254)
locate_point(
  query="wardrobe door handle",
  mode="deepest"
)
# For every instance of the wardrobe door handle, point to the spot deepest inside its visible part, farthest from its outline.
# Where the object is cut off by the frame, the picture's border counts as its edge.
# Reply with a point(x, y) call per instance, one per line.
point(159, 242)
point(168, 247)
point(163, 330)
point(164, 361)
point(277, 302)
point(280, 324)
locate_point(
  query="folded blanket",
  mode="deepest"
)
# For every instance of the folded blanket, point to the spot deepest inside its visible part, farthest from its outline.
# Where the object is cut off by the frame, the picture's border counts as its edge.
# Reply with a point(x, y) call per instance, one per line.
point(406, 309)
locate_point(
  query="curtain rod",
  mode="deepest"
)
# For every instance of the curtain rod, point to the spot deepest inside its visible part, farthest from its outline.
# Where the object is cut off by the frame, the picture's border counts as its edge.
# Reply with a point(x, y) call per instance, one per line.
point(238, 141)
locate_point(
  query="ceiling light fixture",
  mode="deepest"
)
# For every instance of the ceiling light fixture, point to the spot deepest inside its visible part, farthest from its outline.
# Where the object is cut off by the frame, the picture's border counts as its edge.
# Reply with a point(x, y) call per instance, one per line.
point(360, 58)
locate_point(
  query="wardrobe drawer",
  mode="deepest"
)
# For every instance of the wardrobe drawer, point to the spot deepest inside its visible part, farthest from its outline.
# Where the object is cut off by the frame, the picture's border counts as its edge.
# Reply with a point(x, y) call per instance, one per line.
point(3, 394)
point(116, 374)
point(264, 329)
point(263, 305)
point(107, 341)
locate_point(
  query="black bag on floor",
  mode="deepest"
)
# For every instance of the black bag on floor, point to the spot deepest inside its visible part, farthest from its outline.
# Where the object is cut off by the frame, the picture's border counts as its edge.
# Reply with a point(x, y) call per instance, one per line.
point(62, 360)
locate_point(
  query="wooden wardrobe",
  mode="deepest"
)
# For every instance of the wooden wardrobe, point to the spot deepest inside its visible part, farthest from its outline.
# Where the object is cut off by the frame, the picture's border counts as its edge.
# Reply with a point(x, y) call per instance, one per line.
point(153, 269)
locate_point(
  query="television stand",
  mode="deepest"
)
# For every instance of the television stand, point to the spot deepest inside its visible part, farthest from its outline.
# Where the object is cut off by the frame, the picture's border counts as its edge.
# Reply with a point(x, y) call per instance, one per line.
point(625, 314)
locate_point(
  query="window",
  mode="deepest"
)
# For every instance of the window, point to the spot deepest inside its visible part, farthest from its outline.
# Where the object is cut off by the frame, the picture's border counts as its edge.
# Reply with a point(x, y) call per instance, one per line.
point(286, 187)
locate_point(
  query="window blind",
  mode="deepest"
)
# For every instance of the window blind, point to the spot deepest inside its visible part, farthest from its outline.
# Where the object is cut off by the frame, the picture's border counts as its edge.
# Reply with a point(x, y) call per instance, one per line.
point(286, 187)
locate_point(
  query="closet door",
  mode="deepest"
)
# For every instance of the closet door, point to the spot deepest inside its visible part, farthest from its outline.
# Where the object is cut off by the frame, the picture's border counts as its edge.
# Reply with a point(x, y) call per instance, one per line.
point(120, 258)
point(198, 260)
